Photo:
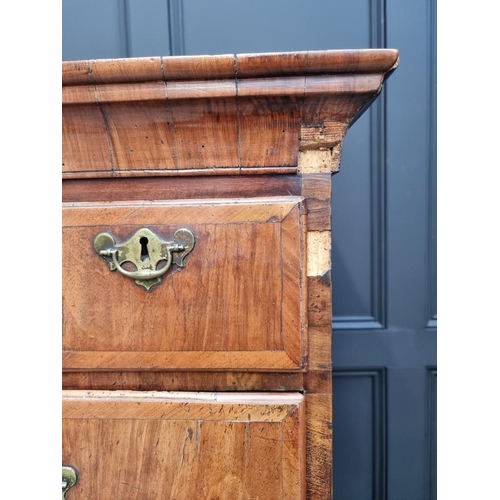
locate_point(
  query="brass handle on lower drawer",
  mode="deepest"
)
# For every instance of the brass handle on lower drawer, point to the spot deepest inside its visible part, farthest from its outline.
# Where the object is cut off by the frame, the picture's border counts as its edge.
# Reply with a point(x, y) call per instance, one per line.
point(145, 250)
point(69, 479)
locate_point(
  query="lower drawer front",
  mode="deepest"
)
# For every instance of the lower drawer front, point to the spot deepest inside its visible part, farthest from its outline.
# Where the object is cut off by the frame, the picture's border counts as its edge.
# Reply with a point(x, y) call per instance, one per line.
point(138, 445)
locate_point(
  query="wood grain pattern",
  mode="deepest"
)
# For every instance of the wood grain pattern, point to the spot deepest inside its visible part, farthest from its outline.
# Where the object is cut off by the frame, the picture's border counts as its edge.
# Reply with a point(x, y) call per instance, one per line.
point(198, 67)
point(213, 114)
point(317, 382)
point(140, 133)
point(317, 191)
point(185, 445)
point(326, 134)
point(240, 149)
point(86, 140)
point(319, 446)
point(238, 304)
point(314, 62)
point(181, 188)
point(268, 130)
point(184, 381)
point(314, 188)
point(320, 348)
point(319, 300)
point(128, 70)
point(227, 65)
point(224, 211)
point(205, 129)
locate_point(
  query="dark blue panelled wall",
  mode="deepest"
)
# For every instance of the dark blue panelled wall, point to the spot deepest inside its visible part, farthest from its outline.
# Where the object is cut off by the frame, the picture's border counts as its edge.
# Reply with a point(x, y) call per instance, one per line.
point(383, 208)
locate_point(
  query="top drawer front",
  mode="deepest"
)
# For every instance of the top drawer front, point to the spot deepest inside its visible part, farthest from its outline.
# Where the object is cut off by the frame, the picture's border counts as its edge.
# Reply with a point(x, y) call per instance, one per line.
point(238, 304)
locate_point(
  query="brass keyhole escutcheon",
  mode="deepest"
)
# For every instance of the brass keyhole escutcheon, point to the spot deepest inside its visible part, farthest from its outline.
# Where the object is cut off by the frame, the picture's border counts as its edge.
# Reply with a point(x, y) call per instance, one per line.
point(148, 253)
point(69, 479)
point(144, 249)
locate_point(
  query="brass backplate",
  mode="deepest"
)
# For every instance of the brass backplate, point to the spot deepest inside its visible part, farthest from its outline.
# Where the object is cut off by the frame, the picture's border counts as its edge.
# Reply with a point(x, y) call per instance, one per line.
point(148, 255)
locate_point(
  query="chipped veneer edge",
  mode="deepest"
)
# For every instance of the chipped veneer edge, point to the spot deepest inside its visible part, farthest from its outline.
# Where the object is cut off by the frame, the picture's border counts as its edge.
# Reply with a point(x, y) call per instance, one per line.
point(318, 252)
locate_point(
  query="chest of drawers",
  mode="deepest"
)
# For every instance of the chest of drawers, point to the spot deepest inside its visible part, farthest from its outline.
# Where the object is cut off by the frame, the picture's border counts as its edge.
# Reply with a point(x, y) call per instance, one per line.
point(196, 271)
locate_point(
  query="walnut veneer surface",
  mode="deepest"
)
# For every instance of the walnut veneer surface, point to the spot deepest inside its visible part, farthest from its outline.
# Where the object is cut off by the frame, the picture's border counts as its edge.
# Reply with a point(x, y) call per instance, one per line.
point(216, 383)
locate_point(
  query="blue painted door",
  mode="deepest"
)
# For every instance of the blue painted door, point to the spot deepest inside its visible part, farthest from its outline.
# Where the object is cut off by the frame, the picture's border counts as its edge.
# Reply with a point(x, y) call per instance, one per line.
point(384, 208)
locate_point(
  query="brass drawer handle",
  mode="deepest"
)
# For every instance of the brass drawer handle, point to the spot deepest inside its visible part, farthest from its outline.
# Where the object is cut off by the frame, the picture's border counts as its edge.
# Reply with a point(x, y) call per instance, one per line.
point(69, 479)
point(145, 250)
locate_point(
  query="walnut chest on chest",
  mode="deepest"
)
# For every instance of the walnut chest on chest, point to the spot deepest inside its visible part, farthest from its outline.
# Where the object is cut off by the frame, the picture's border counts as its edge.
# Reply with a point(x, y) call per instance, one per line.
point(196, 271)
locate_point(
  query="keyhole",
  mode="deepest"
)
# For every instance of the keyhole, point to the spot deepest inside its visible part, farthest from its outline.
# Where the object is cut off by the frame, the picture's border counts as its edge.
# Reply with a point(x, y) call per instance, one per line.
point(144, 249)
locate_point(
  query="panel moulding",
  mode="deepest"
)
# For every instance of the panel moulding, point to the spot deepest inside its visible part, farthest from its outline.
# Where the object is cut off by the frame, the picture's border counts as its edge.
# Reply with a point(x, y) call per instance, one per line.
point(377, 377)
point(377, 112)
